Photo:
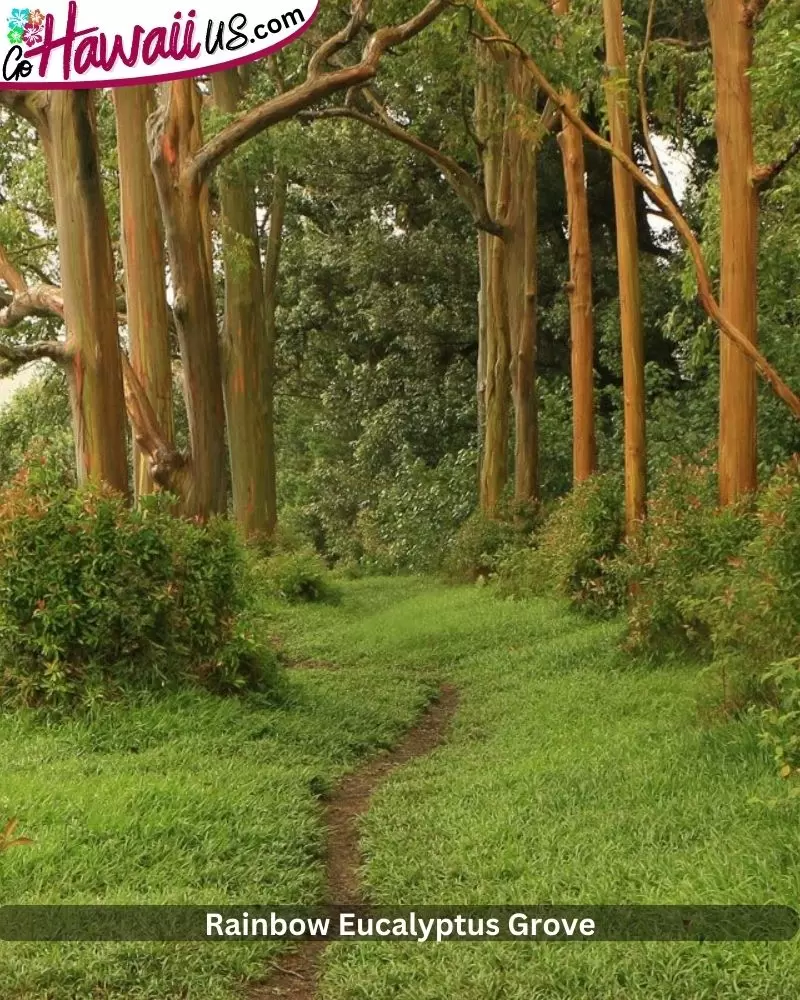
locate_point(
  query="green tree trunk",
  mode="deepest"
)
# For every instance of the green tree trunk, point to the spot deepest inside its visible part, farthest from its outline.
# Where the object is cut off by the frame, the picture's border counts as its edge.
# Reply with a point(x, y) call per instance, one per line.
point(143, 258)
point(67, 128)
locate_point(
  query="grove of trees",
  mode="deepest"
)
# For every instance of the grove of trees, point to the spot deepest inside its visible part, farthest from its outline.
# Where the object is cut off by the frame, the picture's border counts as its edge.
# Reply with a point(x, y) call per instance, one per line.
point(474, 251)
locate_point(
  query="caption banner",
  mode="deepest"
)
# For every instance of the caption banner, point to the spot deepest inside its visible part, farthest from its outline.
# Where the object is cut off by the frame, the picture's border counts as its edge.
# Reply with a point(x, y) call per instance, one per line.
point(420, 924)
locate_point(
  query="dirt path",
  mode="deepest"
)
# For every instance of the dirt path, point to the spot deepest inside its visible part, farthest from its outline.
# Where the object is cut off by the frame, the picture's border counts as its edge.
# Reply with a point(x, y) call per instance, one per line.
point(295, 978)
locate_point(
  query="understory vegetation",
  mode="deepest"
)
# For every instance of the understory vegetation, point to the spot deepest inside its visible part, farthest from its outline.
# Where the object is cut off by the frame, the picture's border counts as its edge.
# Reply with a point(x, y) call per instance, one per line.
point(99, 600)
point(571, 773)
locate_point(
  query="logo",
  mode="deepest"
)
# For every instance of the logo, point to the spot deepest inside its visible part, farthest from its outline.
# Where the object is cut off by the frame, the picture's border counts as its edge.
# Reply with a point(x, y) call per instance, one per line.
point(97, 44)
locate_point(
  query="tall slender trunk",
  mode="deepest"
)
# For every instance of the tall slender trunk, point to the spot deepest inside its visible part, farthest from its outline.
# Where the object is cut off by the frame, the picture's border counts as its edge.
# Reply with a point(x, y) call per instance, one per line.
point(245, 340)
point(732, 49)
point(522, 279)
point(497, 353)
point(483, 322)
point(67, 128)
point(628, 268)
point(277, 215)
point(584, 444)
point(143, 258)
point(173, 139)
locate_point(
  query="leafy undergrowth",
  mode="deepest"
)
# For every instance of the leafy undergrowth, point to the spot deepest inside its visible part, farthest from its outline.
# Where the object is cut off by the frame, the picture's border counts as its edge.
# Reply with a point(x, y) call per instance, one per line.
point(572, 775)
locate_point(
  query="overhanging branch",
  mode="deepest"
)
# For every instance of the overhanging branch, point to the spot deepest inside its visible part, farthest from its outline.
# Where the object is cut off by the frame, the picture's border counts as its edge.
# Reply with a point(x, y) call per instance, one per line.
point(655, 159)
point(673, 213)
point(463, 183)
point(318, 84)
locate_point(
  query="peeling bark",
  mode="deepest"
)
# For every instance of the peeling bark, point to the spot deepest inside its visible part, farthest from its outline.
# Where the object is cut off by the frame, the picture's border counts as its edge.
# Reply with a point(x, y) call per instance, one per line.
point(497, 348)
point(143, 258)
point(579, 290)
point(245, 348)
point(522, 279)
point(67, 128)
point(173, 138)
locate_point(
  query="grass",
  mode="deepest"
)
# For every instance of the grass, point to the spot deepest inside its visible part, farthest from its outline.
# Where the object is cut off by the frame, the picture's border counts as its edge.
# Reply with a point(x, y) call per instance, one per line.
point(193, 799)
point(571, 776)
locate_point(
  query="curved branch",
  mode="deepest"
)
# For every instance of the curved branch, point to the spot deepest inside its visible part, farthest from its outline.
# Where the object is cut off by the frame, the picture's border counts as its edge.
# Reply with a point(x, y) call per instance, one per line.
point(169, 468)
point(462, 182)
point(340, 40)
point(14, 356)
point(655, 159)
point(314, 88)
point(673, 213)
point(766, 176)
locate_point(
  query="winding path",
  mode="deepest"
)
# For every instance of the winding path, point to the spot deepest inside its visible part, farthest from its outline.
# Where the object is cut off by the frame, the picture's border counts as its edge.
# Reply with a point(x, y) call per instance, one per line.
point(296, 977)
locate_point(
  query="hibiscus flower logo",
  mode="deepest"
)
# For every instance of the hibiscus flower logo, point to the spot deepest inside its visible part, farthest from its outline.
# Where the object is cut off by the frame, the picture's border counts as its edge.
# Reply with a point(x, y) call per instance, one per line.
point(34, 32)
point(16, 24)
point(25, 25)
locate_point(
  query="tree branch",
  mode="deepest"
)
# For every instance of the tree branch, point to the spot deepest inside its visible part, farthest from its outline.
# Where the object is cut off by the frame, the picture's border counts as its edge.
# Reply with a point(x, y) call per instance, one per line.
point(339, 41)
point(655, 159)
point(765, 177)
point(168, 467)
point(753, 11)
point(705, 291)
point(14, 356)
point(470, 192)
point(682, 43)
point(315, 87)
point(39, 300)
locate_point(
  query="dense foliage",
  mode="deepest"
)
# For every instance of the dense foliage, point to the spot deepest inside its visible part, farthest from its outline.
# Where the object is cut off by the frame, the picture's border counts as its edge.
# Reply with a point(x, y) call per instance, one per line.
point(97, 599)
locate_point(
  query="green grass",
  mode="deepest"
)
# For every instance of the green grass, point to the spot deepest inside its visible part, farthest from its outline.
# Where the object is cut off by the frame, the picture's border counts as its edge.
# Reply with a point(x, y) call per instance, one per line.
point(571, 776)
point(190, 800)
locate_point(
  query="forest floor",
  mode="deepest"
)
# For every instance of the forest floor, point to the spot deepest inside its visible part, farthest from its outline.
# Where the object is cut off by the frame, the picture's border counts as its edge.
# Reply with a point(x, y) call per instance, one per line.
point(569, 774)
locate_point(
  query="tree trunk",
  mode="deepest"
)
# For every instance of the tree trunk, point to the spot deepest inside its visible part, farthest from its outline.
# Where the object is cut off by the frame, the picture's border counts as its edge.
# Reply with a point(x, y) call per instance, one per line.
point(521, 278)
point(69, 138)
point(143, 257)
point(497, 353)
point(173, 140)
point(628, 267)
point(245, 339)
point(483, 321)
point(732, 49)
point(579, 289)
point(277, 213)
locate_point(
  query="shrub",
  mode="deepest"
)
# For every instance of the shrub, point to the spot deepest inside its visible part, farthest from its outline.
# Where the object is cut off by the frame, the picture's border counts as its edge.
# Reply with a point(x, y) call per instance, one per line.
point(37, 418)
point(97, 599)
point(678, 564)
point(754, 616)
point(298, 576)
point(574, 550)
point(480, 546)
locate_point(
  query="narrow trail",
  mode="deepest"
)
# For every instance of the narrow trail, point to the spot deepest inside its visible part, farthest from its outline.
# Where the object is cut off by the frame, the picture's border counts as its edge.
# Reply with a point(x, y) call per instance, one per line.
point(296, 976)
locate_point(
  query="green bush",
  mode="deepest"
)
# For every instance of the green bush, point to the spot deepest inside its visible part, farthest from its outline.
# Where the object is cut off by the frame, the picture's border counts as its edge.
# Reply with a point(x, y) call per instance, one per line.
point(297, 576)
point(97, 599)
point(37, 419)
point(574, 550)
point(754, 614)
point(677, 566)
point(482, 543)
